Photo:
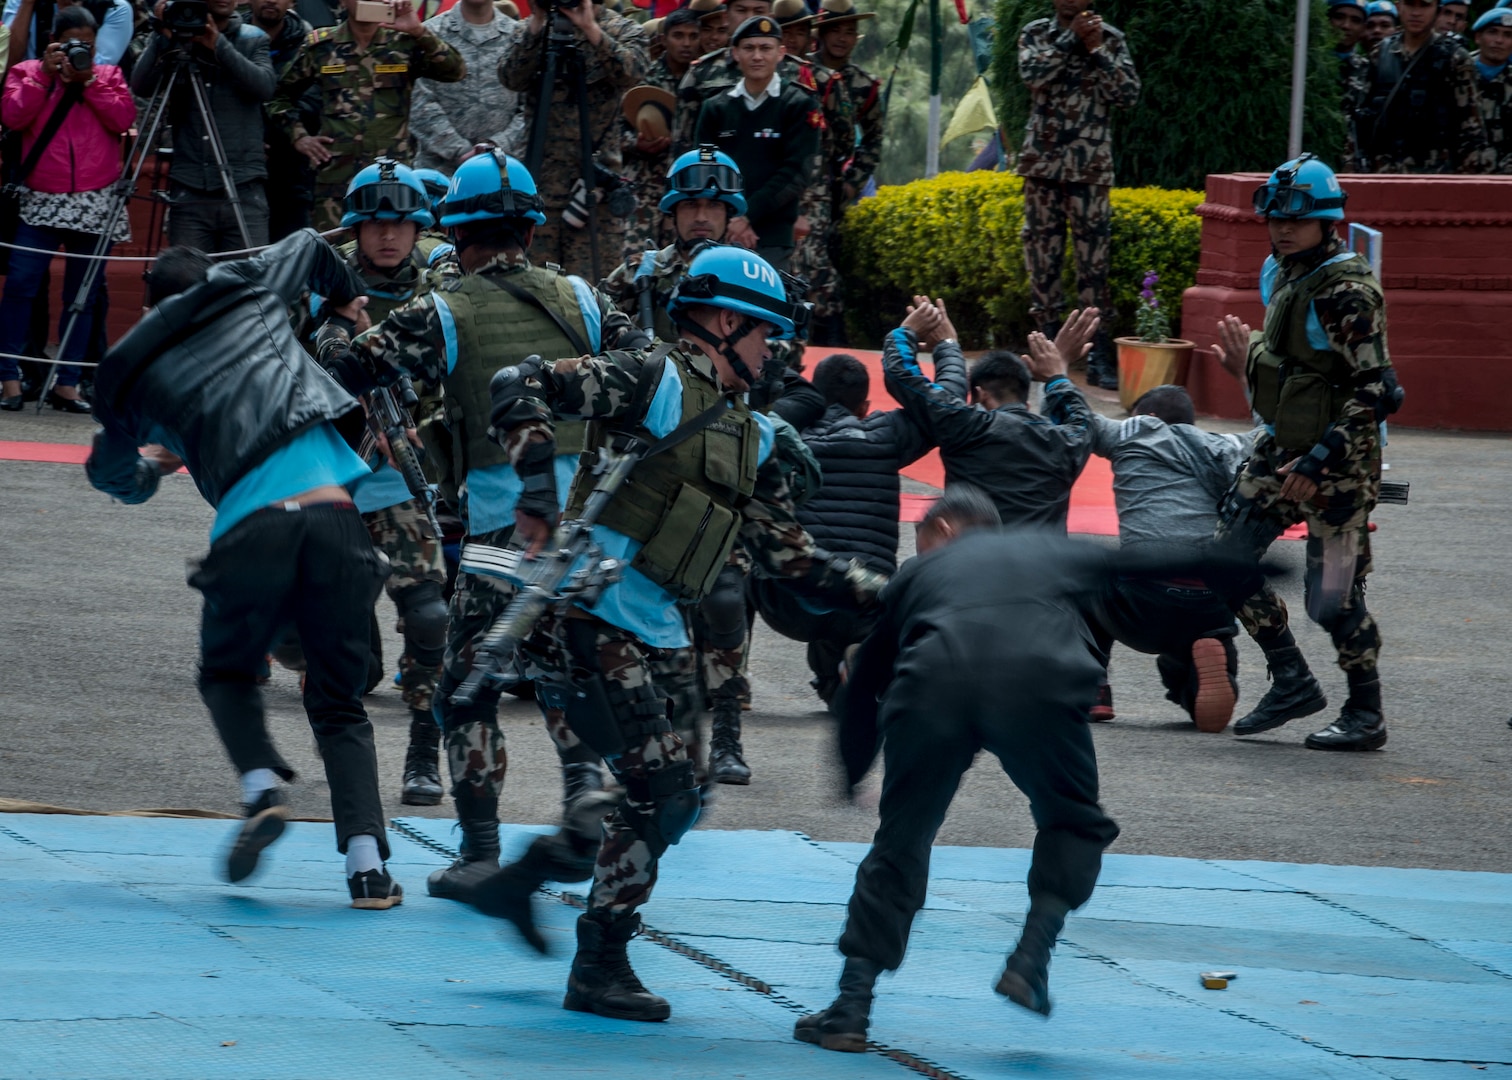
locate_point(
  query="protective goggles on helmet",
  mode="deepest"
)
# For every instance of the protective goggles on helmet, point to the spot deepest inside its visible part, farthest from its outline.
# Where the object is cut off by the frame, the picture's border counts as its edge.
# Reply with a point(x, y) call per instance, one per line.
point(386, 196)
point(504, 204)
point(701, 177)
point(1283, 200)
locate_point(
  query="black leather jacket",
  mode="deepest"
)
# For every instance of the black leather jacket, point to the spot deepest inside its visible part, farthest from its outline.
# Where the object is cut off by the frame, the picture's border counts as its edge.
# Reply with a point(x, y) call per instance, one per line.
point(216, 374)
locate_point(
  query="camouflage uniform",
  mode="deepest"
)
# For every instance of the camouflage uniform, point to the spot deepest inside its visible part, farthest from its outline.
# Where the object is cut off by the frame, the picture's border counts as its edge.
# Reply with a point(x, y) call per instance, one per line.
point(618, 64)
point(649, 228)
point(446, 119)
point(1496, 113)
point(606, 388)
point(1067, 159)
point(366, 101)
point(1391, 133)
point(401, 533)
point(670, 267)
point(814, 255)
point(1353, 320)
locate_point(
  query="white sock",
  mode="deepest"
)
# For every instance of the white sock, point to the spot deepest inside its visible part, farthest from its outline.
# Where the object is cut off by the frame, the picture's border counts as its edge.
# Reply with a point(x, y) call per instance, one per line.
point(362, 854)
point(256, 782)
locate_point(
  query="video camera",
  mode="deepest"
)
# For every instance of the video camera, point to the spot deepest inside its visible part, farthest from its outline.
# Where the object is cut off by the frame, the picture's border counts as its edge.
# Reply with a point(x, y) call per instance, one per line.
point(184, 19)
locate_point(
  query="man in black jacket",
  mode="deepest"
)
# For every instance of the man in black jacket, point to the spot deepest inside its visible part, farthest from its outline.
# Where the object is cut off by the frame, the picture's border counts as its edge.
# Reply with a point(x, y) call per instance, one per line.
point(231, 60)
point(214, 379)
point(771, 129)
point(1003, 607)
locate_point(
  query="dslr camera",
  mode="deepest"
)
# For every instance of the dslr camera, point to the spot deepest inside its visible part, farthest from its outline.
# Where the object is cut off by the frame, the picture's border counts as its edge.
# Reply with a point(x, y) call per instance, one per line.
point(185, 19)
point(79, 56)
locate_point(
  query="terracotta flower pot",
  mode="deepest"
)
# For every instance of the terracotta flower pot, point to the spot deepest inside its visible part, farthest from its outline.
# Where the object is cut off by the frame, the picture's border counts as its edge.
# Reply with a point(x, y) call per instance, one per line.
point(1144, 365)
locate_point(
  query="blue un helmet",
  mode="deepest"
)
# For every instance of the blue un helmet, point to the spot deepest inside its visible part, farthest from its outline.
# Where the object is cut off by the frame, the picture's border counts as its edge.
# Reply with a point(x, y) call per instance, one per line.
point(387, 191)
point(491, 186)
point(1302, 188)
point(1382, 7)
point(437, 184)
point(705, 173)
point(1500, 15)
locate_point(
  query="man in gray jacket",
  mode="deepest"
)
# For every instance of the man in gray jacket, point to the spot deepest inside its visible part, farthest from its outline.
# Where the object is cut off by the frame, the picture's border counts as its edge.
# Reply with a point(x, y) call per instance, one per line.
point(231, 60)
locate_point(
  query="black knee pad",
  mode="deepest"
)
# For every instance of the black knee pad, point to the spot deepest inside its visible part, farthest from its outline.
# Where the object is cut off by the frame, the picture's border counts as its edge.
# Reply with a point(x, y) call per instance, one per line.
point(721, 616)
point(673, 793)
point(424, 615)
point(1346, 619)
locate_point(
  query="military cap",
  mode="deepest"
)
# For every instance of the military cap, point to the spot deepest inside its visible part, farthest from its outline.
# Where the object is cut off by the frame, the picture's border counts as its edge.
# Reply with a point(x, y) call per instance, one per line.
point(648, 109)
point(507, 7)
point(652, 27)
point(1501, 16)
point(1359, 4)
point(839, 11)
point(791, 13)
point(707, 9)
point(754, 27)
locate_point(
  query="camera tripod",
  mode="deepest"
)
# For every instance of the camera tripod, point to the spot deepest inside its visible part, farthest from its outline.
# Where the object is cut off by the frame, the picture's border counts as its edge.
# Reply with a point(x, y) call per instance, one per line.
point(181, 68)
point(562, 51)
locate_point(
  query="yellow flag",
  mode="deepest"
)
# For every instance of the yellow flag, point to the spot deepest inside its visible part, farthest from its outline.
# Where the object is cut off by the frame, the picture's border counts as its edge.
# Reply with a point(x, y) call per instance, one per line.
point(973, 114)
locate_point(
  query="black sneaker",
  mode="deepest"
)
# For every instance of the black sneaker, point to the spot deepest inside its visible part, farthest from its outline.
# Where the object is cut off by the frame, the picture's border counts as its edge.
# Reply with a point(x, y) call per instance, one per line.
point(374, 890)
point(265, 823)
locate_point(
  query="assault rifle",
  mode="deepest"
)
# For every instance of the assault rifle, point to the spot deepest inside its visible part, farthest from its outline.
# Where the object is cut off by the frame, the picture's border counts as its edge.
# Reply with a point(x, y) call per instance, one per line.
point(549, 580)
point(386, 418)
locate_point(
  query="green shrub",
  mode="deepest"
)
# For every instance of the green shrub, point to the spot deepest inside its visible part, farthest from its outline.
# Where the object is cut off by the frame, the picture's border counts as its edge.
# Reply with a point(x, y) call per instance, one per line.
point(958, 236)
point(1216, 86)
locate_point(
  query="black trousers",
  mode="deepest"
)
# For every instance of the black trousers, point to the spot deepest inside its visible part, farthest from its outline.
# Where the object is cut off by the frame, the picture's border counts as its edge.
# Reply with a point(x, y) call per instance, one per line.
point(1163, 619)
point(827, 635)
point(314, 569)
point(940, 710)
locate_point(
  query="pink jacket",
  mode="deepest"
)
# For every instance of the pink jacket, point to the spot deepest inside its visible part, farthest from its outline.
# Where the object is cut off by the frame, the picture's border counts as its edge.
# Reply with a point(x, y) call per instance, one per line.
point(85, 154)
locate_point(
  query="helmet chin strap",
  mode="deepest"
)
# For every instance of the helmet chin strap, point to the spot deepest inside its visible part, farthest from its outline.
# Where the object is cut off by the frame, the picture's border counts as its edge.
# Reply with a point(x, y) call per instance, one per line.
point(1312, 252)
point(725, 345)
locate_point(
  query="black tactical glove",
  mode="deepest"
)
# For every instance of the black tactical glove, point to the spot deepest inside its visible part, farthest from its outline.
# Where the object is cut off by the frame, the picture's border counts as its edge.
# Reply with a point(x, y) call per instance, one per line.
point(537, 471)
point(506, 388)
point(351, 371)
point(846, 583)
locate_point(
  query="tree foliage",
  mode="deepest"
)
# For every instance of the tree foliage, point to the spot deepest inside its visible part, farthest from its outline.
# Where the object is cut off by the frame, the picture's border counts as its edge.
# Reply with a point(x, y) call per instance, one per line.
point(1216, 81)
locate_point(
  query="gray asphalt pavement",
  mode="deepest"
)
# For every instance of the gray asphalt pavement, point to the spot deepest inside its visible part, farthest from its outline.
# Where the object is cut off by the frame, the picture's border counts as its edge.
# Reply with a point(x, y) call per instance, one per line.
point(98, 707)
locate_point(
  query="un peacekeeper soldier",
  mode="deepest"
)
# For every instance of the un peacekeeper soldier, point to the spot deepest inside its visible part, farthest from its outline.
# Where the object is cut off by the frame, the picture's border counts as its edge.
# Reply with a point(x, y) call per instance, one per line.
point(1077, 69)
point(703, 195)
point(213, 377)
point(1002, 606)
point(675, 523)
point(1417, 108)
point(365, 73)
point(1380, 23)
point(1320, 377)
point(1347, 17)
point(453, 338)
point(648, 156)
point(613, 49)
point(1453, 20)
point(1493, 39)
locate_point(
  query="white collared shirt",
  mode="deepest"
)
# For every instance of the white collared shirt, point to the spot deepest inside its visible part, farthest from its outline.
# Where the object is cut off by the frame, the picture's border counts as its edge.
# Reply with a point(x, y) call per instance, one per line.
point(773, 88)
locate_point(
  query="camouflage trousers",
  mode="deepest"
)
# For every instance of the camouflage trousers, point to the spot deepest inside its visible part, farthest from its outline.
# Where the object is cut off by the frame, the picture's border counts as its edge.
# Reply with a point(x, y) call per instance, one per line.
point(813, 261)
point(1048, 206)
point(330, 205)
point(557, 242)
point(1338, 528)
point(400, 532)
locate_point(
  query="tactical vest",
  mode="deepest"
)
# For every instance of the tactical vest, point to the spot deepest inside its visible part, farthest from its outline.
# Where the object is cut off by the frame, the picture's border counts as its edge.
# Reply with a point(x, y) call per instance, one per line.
point(683, 505)
point(495, 330)
point(1297, 389)
point(1409, 112)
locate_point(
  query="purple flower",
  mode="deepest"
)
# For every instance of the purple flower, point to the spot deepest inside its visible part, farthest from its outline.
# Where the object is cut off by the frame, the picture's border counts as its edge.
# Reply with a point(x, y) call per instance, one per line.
point(1154, 303)
point(1151, 279)
point(1147, 294)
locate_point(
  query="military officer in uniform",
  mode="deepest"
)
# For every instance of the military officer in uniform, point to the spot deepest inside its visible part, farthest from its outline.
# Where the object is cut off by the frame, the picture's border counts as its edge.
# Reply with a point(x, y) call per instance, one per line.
point(713, 25)
point(1380, 23)
point(456, 336)
point(365, 73)
point(448, 120)
point(1347, 17)
point(613, 50)
point(1493, 41)
point(729, 481)
point(1416, 106)
point(1077, 69)
point(1321, 379)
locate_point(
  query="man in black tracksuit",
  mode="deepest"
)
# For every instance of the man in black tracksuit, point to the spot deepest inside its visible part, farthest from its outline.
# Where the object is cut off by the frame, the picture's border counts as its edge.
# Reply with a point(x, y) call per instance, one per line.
point(771, 128)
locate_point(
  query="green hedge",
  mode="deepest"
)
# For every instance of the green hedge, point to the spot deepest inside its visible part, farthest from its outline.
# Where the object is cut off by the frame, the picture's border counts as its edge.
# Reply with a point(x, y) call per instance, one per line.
point(958, 236)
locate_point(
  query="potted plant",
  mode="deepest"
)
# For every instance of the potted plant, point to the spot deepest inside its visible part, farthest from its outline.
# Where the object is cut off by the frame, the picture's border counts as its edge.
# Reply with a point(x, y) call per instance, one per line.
point(1151, 358)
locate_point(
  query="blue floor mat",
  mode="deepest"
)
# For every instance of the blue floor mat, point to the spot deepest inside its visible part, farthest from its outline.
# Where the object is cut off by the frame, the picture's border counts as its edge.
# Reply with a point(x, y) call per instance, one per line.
point(125, 956)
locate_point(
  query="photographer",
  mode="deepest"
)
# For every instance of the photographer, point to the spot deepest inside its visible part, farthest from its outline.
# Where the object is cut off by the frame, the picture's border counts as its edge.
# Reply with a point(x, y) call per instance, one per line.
point(613, 52)
point(66, 195)
point(114, 23)
point(289, 200)
point(215, 375)
point(231, 58)
point(364, 72)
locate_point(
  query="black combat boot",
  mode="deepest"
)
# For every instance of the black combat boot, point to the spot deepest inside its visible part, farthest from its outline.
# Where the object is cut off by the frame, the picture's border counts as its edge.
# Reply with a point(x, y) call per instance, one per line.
point(507, 893)
point(422, 767)
point(1293, 693)
point(601, 980)
point(1102, 362)
point(479, 818)
point(726, 761)
point(579, 780)
point(1360, 725)
point(843, 1025)
point(1026, 977)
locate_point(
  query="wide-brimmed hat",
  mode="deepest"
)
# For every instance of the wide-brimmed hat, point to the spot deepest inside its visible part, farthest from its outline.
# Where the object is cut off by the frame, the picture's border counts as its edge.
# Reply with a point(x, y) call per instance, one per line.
point(649, 109)
point(839, 11)
point(792, 13)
